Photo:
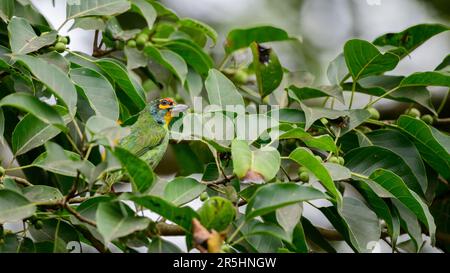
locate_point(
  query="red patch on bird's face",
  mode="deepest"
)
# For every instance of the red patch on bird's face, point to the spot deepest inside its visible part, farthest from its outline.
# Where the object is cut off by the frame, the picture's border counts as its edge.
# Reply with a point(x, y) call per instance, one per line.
point(166, 103)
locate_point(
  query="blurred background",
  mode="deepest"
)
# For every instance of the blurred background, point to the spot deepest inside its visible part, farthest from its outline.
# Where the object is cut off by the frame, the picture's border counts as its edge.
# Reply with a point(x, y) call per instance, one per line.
point(323, 25)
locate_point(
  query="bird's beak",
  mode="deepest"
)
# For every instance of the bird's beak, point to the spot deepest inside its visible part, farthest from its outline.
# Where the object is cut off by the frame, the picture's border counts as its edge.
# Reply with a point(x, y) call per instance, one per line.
point(178, 109)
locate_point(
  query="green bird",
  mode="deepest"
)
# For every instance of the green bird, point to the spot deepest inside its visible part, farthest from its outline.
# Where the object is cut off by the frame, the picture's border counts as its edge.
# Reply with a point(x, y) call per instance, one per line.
point(149, 135)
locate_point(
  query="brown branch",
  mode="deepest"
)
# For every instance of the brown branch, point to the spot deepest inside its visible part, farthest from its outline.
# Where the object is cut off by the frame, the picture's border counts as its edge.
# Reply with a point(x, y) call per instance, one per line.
point(97, 244)
point(79, 216)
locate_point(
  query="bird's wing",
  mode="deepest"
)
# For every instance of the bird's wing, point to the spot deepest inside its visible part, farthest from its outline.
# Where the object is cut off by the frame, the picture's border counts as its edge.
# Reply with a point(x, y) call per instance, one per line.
point(145, 135)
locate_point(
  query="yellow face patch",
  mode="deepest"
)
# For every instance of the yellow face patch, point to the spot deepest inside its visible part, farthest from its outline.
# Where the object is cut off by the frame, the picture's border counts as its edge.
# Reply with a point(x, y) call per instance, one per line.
point(167, 118)
point(162, 107)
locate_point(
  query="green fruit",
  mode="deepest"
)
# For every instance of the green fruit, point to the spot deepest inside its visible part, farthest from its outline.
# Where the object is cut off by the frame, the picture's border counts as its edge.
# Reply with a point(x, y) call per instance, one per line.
point(374, 114)
point(2, 171)
point(302, 169)
point(148, 44)
point(39, 224)
point(333, 159)
point(318, 157)
point(204, 196)
point(304, 177)
point(428, 119)
point(240, 76)
point(341, 160)
point(60, 47)
point(146, 31)
point(63, 40)
point(140, 44)
point(142, 37)
point(131, 43)
point(413, 112)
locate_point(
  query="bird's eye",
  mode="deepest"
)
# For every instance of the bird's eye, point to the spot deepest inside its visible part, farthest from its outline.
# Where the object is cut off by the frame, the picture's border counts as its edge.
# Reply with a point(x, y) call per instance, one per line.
point(163, 102)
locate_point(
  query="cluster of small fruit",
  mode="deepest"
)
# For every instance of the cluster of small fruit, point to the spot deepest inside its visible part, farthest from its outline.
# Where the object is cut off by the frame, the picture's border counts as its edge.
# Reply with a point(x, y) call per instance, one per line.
point(303, 174)
point(141, 40)
point(61, 44)
point(415, 113)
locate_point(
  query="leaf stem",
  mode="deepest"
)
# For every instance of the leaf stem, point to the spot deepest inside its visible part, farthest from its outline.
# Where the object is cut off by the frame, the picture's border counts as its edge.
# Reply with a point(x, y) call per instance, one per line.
point(224, 61)
point(236, 232)
point(359, 175)
point(353, 94)
point(444, 100)
point(382, 96)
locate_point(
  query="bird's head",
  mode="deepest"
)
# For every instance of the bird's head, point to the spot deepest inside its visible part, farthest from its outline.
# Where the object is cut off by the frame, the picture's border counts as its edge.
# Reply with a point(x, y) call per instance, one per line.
point(163, 110)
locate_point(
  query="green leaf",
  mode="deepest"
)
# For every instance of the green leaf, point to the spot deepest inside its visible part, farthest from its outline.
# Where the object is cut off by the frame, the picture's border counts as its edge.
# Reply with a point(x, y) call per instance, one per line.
point(169, 59)
point(6, 9)
point(365, 160)
point(411, 38)
point(98, 90)
point(14, 207)
point(395, 185)
point(444, 65)
point(431, 78)
point(304, 93)
point(241, 38)
point(115, 221)
point(262, 243)
point(135, 58)
point(313, 234)
point(355, 117)
point(141, 175)
point(217, 213)
point(120, 75)
point(379, 85)
point(200, 26)
point(337, 70)
point(221, 91)
point(159, 245)
point(42, 193)
point(32, 105)
point(54, 78)
point(268, 70)
point(54, 236)
point(99, 7)
point(88, 23)
point(192, 54)
point(180, 216)
point(409, 223)
point(270, 229)
point(405, 148)
point(183, 190)
point(23, 39)
point(146, 10)
point(267, 198)
point(305, 158)
point(288, 217)
point(2, 123)
point(364, 59)
point(433, 145)
point(256, 166)
point(323, 142)
point(356, 222)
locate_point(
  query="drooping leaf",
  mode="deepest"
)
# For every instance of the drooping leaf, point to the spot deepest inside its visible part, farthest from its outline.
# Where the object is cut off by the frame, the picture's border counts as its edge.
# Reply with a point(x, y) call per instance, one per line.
point(141, 175)
point(192, 54)
point(364, 59)
point(115, 221)
point(411, 38)
point(88, 23)
point(14, 206)
point(200, 26)
point(54, 78)
point(365, 160)
point(221, 91)
point(395, 185)
point(55, 236)
point(323, 142)
point(146, 10)
point(169, 59)
point(99, 7)
point(433, 145)
point(180, 216)
point(42, 193)
point(120, 76)
point(431, 78)
point(266, 198)
point(356, 222)
point(305, 158)
point(268, 70)
point(304, 93)
point(23, 39)
point(182, 190)
point(98, 90)
point(37, 108)
point(241, 38)
point(258, 165)
point(159, 245)
point(288, 217)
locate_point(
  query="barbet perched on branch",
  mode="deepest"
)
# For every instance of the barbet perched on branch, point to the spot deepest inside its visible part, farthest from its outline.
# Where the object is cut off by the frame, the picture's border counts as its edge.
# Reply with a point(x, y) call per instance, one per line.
point(149, 135)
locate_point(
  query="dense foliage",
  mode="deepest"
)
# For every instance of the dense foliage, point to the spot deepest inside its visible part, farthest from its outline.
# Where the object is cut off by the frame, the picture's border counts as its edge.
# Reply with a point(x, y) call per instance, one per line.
point(63, 112)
